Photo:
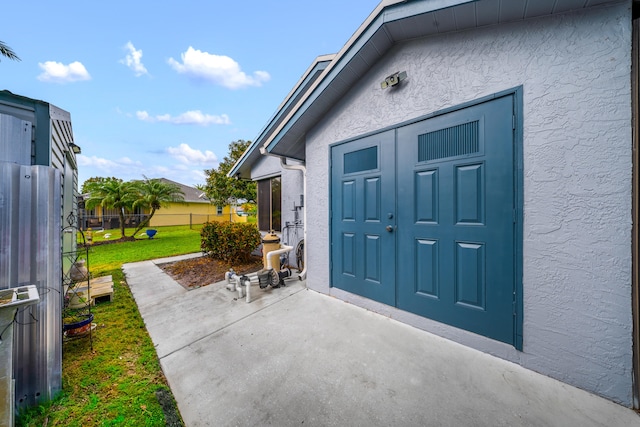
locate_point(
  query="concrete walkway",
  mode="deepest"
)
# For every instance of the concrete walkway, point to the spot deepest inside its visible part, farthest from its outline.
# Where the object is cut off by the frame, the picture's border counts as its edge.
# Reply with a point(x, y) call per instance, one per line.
point(296, 357)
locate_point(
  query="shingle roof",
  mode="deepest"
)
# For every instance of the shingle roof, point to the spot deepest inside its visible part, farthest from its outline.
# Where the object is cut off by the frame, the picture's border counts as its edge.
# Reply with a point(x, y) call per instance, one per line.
point(191, 194)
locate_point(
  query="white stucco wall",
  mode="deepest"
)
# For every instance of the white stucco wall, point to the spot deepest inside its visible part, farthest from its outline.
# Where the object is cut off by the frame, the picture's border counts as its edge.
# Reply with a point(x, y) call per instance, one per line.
point(575, 73)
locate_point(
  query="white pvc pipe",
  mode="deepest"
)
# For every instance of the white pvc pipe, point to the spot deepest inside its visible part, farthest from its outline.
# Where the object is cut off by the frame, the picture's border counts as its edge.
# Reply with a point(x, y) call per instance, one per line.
point(283, 249)
point(239, 288)
point(234, 282)
point(228, 277)
point(303, 169)
point(248, 286)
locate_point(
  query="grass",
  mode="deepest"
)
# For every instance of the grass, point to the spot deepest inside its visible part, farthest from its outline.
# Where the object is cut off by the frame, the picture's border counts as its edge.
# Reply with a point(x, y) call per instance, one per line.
point(169, 241)
point(116, 383)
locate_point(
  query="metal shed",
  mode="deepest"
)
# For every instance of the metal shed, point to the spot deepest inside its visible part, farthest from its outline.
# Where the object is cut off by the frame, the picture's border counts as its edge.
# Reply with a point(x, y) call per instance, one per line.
point(38, 189)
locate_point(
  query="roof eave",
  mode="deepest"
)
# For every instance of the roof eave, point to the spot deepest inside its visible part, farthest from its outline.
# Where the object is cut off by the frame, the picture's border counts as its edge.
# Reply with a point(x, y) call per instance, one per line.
point(242, 168)
point(392, 21)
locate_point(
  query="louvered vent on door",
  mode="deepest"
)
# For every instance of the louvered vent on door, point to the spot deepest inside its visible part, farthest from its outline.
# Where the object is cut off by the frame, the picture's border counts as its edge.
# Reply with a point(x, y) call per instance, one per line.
point(449, 142)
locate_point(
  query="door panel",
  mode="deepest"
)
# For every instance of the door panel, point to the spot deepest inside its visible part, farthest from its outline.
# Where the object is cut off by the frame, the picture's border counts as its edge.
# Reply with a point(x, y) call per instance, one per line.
point(465, 213)
point(363, 199)
point(469, 189)
point(452, 180)
point(426, 196)
point(426, 260)
point(470, 286)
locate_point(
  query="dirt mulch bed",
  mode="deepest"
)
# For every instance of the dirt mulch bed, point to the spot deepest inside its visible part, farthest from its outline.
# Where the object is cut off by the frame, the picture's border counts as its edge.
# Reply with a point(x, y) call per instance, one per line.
point(202, 271)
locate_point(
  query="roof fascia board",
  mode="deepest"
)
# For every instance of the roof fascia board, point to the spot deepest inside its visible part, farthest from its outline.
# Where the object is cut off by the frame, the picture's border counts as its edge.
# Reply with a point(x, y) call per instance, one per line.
point(386, 11)
point(319, 64)
point(401, 10)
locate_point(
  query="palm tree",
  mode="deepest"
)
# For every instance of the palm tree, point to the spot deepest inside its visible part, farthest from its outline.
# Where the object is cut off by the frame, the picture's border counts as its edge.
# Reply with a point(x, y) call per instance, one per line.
point(112, 193)
point(154, 194)
point(7, 52)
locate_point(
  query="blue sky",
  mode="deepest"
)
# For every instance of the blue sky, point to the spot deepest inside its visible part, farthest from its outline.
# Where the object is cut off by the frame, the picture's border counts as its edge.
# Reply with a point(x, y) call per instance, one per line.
point(161, 88)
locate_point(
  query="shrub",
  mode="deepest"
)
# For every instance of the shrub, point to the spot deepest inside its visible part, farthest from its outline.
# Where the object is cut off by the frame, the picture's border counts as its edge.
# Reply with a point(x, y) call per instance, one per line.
point(230, 242)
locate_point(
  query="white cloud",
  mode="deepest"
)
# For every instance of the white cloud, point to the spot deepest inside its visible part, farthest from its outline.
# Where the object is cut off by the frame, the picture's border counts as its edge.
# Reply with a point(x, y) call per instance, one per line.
point(189, 156)
point(96, 162)
point(57, 72)
point(195, 117)
point(144, 116)
point(128, 169)
point(217, 69)
point(106, 164)
point(128, 161)
point(133, 60)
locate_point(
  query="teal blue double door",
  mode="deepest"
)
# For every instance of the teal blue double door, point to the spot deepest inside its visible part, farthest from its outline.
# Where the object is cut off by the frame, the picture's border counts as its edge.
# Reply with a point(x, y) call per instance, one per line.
point(423, 218)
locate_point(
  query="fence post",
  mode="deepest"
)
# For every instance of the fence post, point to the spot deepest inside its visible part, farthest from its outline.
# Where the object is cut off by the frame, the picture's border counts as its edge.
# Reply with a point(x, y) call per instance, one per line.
point(191, 221)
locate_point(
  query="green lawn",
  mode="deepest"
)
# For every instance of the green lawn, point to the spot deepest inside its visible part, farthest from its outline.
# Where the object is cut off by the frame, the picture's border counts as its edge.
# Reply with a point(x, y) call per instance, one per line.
point(168, 241)
point(117, 383)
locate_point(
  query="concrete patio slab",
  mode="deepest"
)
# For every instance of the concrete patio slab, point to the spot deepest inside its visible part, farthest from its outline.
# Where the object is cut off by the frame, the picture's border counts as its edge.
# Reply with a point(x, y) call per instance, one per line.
point(296, 357)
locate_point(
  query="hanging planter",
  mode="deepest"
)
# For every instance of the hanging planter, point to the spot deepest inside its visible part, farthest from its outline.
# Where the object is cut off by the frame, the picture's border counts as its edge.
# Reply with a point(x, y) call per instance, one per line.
point(77, 325)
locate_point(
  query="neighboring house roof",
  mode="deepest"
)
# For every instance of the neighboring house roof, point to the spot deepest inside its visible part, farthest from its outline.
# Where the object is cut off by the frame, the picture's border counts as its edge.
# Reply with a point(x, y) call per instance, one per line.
point(191, 195)
point(252, 153)
point(391, 22)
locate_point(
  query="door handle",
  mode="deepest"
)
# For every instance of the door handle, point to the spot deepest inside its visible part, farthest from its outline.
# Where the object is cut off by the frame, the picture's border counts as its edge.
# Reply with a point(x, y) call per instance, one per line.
point(389, 228)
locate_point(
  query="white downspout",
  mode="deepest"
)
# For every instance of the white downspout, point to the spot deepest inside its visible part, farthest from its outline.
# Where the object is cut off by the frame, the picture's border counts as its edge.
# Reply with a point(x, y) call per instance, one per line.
point(303, 169)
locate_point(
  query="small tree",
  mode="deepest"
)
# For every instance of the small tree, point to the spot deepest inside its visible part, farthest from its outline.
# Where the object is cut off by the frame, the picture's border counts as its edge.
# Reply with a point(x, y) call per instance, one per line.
point(85, 189)
point(154, 194)
point(220, 188)
point(111, 193)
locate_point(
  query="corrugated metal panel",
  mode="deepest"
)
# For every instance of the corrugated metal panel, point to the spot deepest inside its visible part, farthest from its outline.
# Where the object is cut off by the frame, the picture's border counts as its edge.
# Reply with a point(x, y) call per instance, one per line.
point(63, 159)
point(8, 233)
point(30, 224)
point(31, 240)
point(17, 135)
point(58, 146)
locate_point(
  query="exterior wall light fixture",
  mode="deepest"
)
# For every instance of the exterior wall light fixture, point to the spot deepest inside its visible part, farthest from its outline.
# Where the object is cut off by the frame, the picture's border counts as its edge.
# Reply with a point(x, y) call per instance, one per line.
point(394, 79)
point(75, 148)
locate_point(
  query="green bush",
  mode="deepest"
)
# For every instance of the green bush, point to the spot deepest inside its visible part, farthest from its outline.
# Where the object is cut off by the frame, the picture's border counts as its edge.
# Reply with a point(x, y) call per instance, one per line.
point(230, 242)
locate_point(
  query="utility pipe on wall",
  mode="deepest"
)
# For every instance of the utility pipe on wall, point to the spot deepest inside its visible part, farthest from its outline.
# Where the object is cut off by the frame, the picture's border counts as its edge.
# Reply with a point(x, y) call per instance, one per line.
point(302, 168)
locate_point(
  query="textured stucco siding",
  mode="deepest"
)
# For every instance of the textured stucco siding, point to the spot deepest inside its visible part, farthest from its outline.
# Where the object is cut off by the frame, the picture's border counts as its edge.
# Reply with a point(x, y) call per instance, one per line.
point(574, 70)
